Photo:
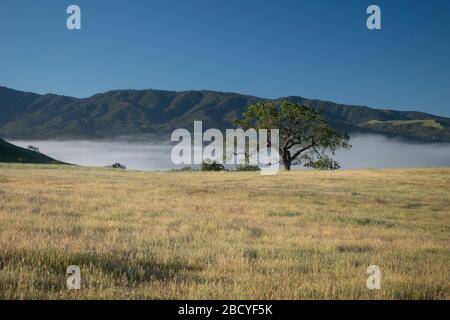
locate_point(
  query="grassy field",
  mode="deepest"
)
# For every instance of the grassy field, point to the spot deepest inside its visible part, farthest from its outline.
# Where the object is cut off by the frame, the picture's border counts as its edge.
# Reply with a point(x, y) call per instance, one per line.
point(424, 123)
point(184, 235)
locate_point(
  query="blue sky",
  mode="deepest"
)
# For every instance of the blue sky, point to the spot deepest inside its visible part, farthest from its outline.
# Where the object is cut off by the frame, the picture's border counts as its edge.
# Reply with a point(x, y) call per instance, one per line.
point(316, 49)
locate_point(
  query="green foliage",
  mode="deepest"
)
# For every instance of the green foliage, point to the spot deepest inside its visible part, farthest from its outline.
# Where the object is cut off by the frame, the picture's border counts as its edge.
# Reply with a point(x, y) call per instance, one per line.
point(323, 163)
point(248, 168)
point(212, 166)
point(183, 169)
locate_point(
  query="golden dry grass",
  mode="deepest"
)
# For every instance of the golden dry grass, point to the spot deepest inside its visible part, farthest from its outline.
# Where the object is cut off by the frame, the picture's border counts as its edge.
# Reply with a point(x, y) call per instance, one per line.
point(175, 235)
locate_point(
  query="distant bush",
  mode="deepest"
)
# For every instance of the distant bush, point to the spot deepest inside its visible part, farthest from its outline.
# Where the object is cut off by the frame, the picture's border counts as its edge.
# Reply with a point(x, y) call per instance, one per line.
point(212, 166)
point(184, 169)
point(248, 168)
point(117, 166)
point(33, 148)
point(324, 163)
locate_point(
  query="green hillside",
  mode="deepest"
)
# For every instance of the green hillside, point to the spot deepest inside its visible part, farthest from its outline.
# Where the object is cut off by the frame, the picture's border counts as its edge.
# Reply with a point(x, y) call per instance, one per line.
point(430, 128)
point(129, 112)
point(424, 123)
point(12, 153)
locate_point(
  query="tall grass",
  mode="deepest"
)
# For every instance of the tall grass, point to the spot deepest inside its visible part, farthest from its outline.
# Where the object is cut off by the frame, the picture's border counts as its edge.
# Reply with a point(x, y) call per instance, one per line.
point(223, 235)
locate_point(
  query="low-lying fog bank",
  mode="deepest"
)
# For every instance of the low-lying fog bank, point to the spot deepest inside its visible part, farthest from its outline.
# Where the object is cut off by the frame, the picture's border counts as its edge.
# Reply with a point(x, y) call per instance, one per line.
point(375, 151)
point(369, 151)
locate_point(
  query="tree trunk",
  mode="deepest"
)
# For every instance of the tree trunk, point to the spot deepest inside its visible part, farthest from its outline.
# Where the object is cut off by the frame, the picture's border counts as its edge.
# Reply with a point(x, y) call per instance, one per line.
point(286, 158)
point(287, 165)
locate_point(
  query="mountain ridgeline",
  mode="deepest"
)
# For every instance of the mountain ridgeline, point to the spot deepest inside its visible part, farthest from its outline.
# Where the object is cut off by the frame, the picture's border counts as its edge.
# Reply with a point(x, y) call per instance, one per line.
point(25, 115)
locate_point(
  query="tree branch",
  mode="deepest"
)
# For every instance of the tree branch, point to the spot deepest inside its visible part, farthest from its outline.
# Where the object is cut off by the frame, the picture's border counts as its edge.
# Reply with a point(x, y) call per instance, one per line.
point(295, 155)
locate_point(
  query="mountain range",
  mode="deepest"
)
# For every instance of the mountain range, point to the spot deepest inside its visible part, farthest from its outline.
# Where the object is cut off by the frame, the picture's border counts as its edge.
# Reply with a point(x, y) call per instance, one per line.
point(26, 115)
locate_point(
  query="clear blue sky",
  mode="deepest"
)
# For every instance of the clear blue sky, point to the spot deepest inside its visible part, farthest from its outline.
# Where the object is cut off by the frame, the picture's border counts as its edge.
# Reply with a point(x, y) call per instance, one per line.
point(316, 49)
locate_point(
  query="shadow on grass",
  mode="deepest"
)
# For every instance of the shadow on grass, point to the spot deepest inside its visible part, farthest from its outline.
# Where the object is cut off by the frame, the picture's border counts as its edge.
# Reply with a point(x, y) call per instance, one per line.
point(366, 222)
point(118, 265)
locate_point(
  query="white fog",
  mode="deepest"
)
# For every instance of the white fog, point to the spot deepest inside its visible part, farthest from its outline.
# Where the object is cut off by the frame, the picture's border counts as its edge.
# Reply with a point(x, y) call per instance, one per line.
point(369, 151)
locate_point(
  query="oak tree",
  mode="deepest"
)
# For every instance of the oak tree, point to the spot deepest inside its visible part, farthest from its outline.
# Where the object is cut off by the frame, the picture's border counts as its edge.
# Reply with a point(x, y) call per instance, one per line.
point(305, 136)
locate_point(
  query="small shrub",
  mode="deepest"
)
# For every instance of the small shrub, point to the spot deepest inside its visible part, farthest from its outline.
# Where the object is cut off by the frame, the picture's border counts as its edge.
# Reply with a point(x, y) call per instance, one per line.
point(212, 166)
point(184, 169)
point(33, 148)
point(117, 166)
point(248, 168)
point(324, 163)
